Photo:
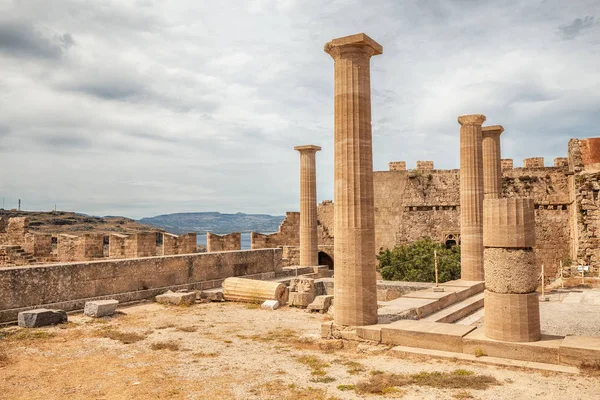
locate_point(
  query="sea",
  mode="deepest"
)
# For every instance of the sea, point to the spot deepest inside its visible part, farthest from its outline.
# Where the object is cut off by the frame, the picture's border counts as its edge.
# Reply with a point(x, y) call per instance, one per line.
point(201, 240)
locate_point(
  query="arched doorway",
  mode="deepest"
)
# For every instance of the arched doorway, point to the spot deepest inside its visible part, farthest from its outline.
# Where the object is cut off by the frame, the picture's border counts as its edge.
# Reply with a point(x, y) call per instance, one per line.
point(324, 259)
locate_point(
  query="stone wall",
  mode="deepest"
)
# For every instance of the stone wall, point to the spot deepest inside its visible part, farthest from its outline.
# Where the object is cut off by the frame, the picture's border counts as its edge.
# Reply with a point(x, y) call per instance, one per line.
point(38, 245)
point(116, 245)
point(68, 286)
point(184, 244)
point(141, 244)
point(87, 246)
point(287, 235)
point(16, 229)
point(229, 242)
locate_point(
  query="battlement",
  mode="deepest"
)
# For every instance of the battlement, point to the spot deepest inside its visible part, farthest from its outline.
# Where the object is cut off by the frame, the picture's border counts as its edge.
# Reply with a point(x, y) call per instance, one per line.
point(397, 165)
point(229, 242)
point(424, 165)
point(533, 162)
point(507, 163)
point(561, 162)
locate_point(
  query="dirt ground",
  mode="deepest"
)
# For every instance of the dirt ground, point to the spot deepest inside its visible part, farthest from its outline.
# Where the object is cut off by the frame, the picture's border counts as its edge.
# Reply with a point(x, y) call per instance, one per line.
point(238, 351)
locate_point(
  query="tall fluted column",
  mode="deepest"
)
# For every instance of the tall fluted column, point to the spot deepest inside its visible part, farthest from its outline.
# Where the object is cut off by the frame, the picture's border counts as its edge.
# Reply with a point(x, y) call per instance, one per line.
point(471, 197)
point(492, 166)
point(355, 285)
point(308, 206)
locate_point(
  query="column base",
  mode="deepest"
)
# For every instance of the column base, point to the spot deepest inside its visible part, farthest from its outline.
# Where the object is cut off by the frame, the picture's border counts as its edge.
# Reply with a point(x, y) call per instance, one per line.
point(512, 317)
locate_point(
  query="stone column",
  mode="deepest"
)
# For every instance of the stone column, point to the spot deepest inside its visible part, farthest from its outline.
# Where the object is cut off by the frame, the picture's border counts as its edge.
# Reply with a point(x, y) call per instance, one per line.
point(471, 197)
point(492, 166)
point(355, 290)
point(308, 206)
point(511, 305)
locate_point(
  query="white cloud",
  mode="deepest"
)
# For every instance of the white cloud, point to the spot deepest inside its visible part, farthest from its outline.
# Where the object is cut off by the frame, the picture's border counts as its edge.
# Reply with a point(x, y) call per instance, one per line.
point(147, 107)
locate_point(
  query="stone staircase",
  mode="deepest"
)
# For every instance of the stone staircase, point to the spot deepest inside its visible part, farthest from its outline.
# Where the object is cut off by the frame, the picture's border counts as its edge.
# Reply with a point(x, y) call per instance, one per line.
point(13, 255)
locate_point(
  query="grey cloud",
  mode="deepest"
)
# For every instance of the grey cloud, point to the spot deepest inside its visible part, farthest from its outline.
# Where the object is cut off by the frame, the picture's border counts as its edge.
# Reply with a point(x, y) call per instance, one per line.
point(575, 28)
point(64, 141)
point(20, 38)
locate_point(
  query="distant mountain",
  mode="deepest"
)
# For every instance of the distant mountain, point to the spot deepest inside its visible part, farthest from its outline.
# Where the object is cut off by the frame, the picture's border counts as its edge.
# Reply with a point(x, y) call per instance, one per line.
point(215, 222)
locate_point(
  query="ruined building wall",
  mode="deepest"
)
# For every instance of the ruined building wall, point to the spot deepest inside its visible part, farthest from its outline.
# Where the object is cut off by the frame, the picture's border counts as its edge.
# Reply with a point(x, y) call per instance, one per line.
point(229, 242)
point(287, 235)
point(84, 247)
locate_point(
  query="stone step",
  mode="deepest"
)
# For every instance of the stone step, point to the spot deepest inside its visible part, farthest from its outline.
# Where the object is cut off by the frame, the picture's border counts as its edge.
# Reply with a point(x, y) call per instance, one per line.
point(401, 351)
point(458, 310)
point(425, 334)
point(473, 319)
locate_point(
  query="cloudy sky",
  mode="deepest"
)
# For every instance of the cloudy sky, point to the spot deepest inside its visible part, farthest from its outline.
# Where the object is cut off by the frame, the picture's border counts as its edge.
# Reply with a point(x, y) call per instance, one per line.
point(146, 107)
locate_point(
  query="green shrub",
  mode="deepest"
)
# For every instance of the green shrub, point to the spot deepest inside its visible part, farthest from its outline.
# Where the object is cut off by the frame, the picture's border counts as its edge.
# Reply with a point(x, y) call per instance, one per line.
point(415, 262)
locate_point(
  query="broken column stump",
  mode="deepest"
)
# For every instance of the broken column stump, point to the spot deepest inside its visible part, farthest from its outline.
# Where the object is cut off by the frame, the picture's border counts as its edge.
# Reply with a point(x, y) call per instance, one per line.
point(100, 308)
point(321, 304)
point(176, 298)
point(254, 291)
point(41, 317)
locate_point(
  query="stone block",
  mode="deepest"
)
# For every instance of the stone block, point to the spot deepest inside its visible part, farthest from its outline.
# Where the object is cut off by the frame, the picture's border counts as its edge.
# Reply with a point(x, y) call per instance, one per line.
point(512, 317)
point(211, 296)
point(507, 163)
point(321, 304)
point(302, 285)
point(508, 222)
point(100, 308)
point(575, 350)
point(41, 317)
point(510, 270)
point(270, 305)
point(426, 335)
point(397, 165)
point(369, 332)
point(300, 299)
point(424, 165)
point(176, 298)
point(533, 162)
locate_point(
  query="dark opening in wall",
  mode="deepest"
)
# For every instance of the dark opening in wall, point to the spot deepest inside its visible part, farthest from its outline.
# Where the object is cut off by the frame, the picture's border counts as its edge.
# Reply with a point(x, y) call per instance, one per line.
point(324, 259)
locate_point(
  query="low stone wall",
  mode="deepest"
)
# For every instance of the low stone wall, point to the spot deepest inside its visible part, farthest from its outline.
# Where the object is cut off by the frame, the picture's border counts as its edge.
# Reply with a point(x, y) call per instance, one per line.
point(229, 242)
point(68, 286)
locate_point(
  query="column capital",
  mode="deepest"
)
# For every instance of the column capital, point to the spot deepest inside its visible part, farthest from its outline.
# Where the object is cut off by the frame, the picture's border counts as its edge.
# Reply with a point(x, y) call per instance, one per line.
point(472, 119)
point(308, 147)
point(357, 41)
point(492, 130)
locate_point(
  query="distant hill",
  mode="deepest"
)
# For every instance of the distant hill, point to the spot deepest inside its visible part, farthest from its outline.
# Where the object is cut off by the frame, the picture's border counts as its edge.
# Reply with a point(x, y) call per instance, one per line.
point(70, 222)
point(214, 222)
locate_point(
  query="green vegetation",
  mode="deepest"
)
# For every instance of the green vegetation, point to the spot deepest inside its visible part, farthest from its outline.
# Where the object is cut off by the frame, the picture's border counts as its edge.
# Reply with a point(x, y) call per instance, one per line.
point(415, 262)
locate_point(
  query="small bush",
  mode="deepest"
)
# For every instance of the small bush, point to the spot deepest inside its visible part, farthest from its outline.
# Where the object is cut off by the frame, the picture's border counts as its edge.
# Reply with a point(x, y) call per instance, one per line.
point(123, 337)
point(345, 388)
point(415, 262)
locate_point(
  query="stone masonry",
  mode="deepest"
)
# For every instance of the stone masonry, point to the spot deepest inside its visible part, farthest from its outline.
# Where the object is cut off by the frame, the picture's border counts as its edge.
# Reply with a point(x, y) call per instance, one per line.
point(511, 307)
point(354, 243)
point(492, 168)
point(214, 242)
point(308, 206)
point(471, 197)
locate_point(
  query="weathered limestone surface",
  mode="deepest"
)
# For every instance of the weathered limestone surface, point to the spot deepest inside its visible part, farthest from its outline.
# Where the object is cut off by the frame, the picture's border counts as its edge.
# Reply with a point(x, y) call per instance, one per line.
point(87, 246)
point(511, 304)
point(355, 276)
point(510, 270)
point(176, 298)
point(507, 163)
point(302, 292)
point(287, 235)
point(321, 304)
point(69, 285)
point(397, 165)
point(308, 205)
point(471, 197)
point(229, 242)
point(254, 291)
point(41, 317)
point(424, 165)
point(270, 305)
point(509, 223)
point(533, 162)
point(100, 308)
point(492, 167)
point(512, 317)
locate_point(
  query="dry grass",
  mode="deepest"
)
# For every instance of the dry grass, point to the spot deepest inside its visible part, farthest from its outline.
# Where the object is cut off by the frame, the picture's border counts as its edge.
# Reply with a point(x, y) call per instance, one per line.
point(345, 388)
point(315, 364)
point(280, 391)
point(170, 345)
point(123, 337)
point(166, 326)
point(203, 354)
point(323, 379)
point(480, 353)
point(590, 368)
point(463, 394)
point(187, 328)
point(458, 379)
point(4, 359)
point(354, 367)
point(26, 334)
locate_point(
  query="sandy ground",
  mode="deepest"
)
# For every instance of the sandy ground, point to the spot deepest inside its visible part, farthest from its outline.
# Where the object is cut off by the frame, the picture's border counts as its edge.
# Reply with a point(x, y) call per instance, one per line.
point(573, 311)
point(229, 351)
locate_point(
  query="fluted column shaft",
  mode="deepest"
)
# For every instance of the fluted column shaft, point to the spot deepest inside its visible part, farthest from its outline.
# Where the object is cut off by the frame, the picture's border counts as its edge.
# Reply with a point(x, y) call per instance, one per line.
point(492, 164)
point(355, 283)
point(308, 206)
point(471, 197)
